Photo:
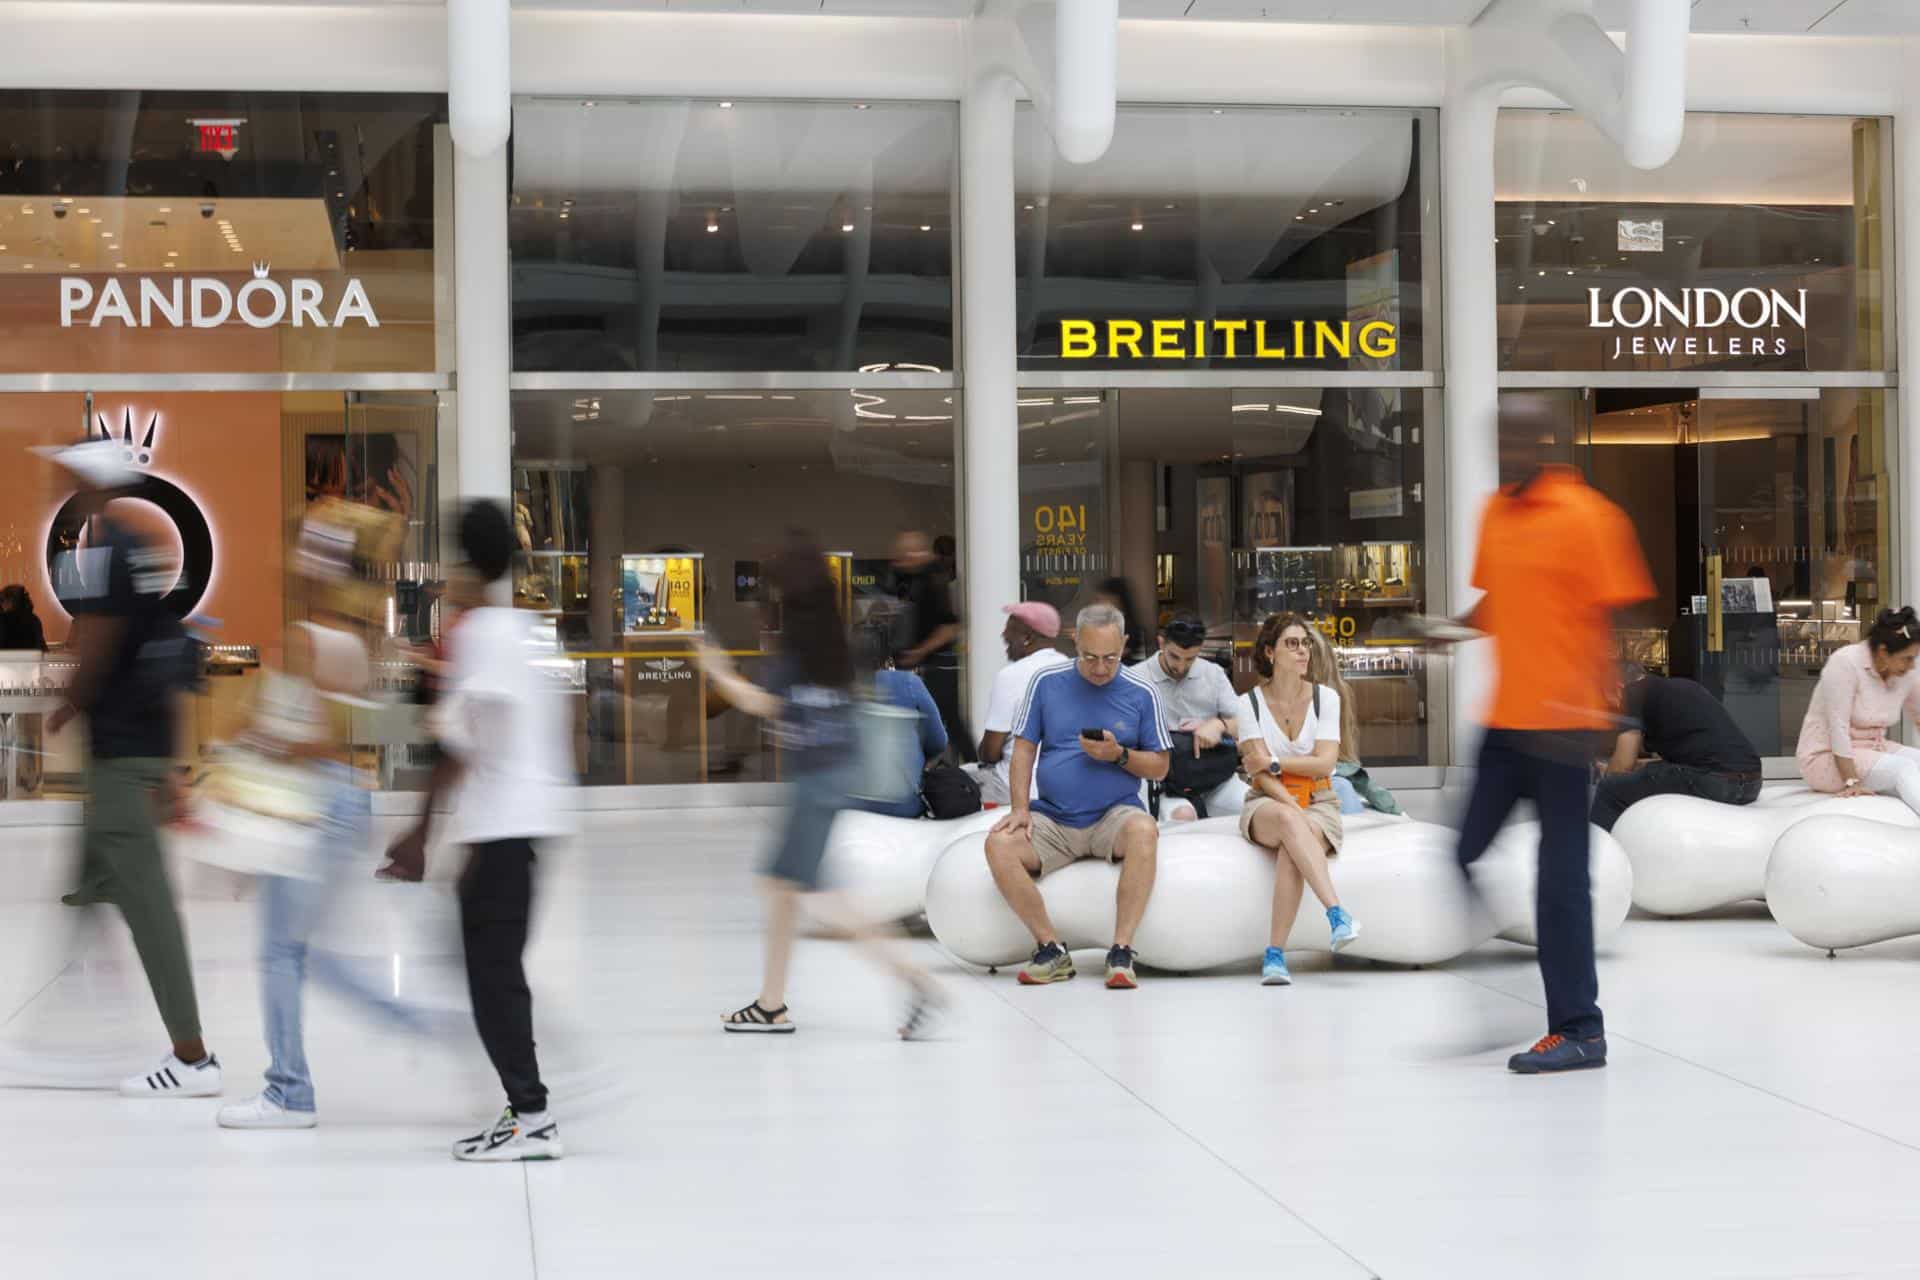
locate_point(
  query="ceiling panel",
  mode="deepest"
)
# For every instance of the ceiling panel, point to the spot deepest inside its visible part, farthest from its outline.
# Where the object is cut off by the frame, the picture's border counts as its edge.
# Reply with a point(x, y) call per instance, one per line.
point(1154, 8)
point(1409, 12)
point(1872, 18)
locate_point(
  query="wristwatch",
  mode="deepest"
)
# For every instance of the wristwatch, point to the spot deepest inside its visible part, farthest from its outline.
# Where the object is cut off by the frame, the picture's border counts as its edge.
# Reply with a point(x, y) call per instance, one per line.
point(1125, 755)
point(1274, 769)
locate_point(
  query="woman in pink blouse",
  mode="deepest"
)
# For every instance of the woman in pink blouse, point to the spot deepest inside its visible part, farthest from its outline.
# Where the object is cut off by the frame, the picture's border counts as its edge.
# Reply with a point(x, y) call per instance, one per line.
point(1862, 691)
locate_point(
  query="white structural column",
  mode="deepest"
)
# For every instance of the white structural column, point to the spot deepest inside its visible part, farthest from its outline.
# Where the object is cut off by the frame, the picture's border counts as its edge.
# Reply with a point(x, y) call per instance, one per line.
point(1638, 99)
point(1064, 55)
point(1472, 396)
point(1906, 240)
point(990, 414)
point(480, 112)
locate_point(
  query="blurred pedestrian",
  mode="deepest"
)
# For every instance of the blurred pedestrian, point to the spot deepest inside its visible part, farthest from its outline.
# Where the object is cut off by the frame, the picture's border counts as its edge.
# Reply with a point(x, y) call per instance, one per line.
point(1116, 593)
point(506, 734)
point(134, 659)
point(912, 753)
point(1555, 561)
point(808, 698)
point(20, 628)
point(931, 628)
point(300, 717)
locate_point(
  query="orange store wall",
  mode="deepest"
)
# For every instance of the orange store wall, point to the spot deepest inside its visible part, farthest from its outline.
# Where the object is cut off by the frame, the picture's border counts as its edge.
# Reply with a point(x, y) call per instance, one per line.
point(222, 448)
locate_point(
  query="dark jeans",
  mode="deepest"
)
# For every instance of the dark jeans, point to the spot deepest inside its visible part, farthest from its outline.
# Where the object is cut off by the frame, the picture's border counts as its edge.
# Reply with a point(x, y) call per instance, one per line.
point(1617, 791)
point(1520, 765)
point(496, 898)
point(942, 675)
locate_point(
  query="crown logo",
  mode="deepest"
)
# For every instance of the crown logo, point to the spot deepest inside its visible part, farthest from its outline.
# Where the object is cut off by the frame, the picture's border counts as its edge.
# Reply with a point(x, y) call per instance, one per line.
point(139, 455)
point(260, 267)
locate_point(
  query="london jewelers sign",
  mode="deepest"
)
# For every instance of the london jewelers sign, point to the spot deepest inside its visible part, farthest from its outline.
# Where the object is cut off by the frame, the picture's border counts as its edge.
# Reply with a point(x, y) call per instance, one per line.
point(206, 302)
point(1758, 316)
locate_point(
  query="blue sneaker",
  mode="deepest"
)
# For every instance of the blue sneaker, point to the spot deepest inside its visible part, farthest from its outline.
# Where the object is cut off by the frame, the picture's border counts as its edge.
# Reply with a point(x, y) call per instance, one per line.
point(1273, 970)
point(1345, 927)
point(1557, 1053)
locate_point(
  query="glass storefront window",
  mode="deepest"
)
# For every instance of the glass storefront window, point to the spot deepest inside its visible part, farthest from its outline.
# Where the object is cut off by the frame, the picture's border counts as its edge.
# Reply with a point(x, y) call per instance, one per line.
point(1226, 238)
point(1237, 503)
point(644, 519)
point(231, 232)
point(706, 235)
point(1783, 501)
point(1760, 247)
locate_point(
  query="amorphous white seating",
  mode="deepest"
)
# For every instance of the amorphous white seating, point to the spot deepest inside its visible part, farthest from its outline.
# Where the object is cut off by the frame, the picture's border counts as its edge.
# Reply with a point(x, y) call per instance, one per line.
point(1212, 897)
point(1841, 880)
point(1692, 855)
point(882, 863)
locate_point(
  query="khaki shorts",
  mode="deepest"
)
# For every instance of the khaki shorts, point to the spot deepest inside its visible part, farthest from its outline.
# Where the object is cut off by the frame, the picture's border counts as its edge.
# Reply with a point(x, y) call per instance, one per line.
point(1058, 845)
point(1323, 815)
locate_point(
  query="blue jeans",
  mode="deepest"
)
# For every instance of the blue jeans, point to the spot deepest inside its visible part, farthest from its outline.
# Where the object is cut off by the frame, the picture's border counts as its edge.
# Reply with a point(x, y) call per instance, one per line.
point(291, 909)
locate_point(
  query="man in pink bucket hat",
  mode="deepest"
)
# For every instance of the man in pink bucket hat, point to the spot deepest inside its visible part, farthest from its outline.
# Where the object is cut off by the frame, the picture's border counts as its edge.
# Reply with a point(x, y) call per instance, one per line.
point(1032, 634)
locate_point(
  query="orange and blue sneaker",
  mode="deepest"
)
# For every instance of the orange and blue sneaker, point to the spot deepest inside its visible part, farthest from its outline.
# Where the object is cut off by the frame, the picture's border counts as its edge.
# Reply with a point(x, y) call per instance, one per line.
point(1560, 1053)
point(1120, 975)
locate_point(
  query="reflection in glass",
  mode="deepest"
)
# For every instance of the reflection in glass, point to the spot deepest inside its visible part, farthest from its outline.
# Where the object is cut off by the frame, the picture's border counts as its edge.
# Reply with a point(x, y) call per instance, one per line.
point(685, 235)
point(1234, 237)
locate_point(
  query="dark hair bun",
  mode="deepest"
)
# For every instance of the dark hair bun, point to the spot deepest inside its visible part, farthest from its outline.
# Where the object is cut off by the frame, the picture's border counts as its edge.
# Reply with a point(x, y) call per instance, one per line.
point(1895, 630)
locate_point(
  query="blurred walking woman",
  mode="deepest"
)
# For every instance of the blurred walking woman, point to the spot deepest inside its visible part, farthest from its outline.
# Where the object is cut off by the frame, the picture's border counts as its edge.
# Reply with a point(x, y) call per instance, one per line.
point(1290, 733)
point(1862, 691)
point(809, 700)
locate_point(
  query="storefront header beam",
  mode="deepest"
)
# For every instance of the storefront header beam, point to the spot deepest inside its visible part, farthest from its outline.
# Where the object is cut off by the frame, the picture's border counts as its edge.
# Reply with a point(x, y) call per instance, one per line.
point(1661, 378)
point(119, 382)
point(929, 381)
point(1263, 376)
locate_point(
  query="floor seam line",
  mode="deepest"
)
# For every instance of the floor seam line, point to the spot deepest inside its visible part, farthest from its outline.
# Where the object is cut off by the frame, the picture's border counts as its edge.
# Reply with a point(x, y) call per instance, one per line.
point(992, 988)
point(533, 1245)
point(1762, 1090)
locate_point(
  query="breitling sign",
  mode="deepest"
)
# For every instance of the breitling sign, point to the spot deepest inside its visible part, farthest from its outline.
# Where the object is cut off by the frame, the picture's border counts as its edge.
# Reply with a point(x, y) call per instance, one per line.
point(1188, 339)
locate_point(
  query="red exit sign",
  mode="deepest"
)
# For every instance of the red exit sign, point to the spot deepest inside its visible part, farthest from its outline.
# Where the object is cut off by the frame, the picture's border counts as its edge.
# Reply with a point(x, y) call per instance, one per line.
point(219, 137)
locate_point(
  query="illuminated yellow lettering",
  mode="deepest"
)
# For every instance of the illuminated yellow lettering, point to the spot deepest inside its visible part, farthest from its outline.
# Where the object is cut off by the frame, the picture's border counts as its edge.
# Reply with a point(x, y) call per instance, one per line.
point(1200, 339)
point(1386, 344)
point(1232, 329)
point(1077, 341)
point(1260, 348)
point(1166, 339)
point(1123, 333)
point(1300, 338)
point(1339, 337)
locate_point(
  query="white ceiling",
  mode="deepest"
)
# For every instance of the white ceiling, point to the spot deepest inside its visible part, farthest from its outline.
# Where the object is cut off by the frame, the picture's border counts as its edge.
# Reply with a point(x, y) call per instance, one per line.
point(1757, 17)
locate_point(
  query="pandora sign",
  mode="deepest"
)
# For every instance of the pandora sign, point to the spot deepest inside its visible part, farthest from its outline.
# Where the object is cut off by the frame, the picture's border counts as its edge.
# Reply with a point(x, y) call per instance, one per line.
point(1758, 316)
point(206, 302)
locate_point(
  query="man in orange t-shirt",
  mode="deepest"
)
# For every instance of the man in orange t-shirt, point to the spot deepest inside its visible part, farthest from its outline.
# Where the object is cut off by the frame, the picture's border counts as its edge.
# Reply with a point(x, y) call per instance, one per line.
point(1556, 560)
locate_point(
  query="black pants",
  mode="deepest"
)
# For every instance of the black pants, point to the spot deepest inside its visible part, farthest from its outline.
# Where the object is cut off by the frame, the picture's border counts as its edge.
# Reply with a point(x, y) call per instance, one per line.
point(496, 898)
point(1660, 778)
point(941, 672)
point(1520, 765)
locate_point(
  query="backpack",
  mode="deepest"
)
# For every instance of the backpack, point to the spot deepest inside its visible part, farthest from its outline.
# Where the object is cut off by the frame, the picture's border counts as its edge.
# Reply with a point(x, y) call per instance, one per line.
point(1193, 777)
point(949, 791)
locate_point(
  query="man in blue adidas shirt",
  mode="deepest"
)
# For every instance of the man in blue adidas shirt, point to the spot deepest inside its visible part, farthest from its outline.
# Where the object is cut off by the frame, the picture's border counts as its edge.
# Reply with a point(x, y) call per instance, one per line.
point(1096, 731)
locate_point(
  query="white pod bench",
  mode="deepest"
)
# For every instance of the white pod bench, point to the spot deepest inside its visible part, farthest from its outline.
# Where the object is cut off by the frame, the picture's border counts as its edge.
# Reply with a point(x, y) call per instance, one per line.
point(1842, 880)
point(1692, 855)
point(882, 863)
point(1212, 898)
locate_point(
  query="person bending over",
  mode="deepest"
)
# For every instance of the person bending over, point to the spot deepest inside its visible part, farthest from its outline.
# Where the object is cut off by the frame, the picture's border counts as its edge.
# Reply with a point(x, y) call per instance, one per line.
point(1289, 734)
point(1096, 732)
point(1702, 751)
point(1862, 691)
point(1197, 698)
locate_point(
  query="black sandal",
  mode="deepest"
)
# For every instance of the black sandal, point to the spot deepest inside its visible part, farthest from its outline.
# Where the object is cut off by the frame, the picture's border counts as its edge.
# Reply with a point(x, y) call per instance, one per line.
point(754, 1018)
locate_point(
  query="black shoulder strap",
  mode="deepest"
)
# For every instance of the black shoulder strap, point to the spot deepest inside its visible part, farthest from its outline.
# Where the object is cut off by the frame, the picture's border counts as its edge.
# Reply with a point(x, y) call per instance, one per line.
point(1253, 696)
point(1316, 702)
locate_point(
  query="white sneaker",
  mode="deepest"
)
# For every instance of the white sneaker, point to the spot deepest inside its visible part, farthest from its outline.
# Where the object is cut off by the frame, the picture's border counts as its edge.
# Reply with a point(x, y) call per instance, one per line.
point(513, 1137)
point(262, 1112)
point(175, 1079)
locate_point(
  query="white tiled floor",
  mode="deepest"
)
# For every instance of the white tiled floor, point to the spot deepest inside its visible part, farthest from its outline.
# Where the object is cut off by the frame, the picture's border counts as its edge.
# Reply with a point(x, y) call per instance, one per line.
point(1760, 1118)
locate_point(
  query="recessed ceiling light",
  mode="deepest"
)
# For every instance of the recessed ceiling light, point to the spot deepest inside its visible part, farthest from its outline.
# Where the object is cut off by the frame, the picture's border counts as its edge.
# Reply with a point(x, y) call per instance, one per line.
point(120, 266)
point(589, 104)
point(861, 106)
point(80, 210)
point(1139, 226)
point(926, 226)
point(166, 208)
point(94, 220)
point(846, 226)
point(726, 106)
point(1219, 111)
point(26, 266)
point(713, 228)
point(173, 253)
point(73, 266)
point(26, 208)
point(1523, 288)
point(1299, 217)
point(1543, 273)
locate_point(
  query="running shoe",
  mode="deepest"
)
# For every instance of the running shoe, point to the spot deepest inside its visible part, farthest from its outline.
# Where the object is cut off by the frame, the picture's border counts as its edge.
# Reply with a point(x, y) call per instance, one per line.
point(1555, 1053)
point(513, 1137)
point(1050, 963)
point(1345, 928)
point(1273, 969)
point(1120, 974)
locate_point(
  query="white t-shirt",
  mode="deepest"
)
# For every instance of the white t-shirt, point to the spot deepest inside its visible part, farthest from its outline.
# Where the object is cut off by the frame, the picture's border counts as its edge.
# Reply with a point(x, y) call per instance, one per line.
point(1258, 721)
point(1003, 704)
point(507, 726)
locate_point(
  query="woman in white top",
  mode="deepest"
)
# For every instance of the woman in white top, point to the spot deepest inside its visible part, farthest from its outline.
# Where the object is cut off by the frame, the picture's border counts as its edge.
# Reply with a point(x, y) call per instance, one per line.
point(1289, 735)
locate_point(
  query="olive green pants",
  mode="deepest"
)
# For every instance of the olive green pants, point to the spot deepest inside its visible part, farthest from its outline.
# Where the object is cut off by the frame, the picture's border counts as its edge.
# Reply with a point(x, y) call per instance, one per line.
point(120, 863)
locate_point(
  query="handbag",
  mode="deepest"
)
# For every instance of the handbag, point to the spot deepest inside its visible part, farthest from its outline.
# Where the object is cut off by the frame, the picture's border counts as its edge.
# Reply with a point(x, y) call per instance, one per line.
point(1303, 789)
point(1193, 777)
point(254, 815)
